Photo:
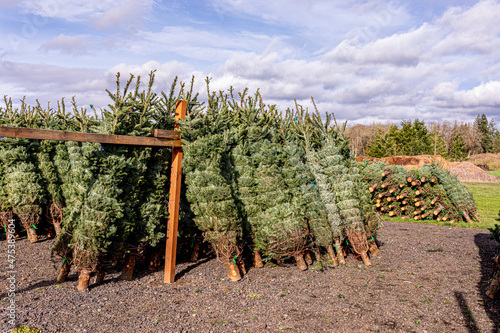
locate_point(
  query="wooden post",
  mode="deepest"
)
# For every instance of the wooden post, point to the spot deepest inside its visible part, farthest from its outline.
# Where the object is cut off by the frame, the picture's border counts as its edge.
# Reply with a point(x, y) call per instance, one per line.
point(174, 199)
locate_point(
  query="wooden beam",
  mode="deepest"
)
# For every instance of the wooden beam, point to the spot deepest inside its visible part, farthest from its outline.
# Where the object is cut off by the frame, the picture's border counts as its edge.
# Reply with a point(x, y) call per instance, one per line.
point(166, 134)
point(43, 134)
point(174, 200)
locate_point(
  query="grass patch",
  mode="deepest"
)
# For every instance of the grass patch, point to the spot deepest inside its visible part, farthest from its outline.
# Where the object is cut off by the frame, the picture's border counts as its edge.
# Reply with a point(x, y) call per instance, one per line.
point(439, 249)
point(487, 197)
point(495, 173)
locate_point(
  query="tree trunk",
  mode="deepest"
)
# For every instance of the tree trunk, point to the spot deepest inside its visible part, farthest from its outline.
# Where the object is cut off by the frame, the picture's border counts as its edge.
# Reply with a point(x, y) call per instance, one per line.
point(365, 258)
point(100, 274)
point(241, 265)
point(128, 267)
point(63, 271)
point(83, 279)
point(373, 248)
point(476, 217)
point(340, 255)
point(196, 251)
point(50, 232)
point(467, 217)
point(331, 256)
point(301, 264)
point(307, 257)
point(57, 227)
point(438, 209)
point(232, 271)
point(256, 258)
point(156, 259)
point(419, 203)
point(32, 236)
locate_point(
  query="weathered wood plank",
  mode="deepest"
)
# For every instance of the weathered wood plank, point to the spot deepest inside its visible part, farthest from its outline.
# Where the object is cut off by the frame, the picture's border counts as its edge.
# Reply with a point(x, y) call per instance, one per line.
point(43, 134)
point(174, 200)
point(166, 134)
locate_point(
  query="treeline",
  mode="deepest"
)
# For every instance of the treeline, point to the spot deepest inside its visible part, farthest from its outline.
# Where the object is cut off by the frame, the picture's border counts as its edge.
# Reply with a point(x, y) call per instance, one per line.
point(454, 140)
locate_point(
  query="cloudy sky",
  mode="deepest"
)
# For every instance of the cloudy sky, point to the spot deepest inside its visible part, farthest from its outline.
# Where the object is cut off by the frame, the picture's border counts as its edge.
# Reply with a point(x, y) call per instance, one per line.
point(365, 60)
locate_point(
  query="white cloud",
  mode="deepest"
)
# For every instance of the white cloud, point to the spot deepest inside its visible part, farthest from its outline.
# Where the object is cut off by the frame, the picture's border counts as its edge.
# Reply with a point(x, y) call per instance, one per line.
point(356, 60)
point(99, 13)
point(130, 14)
point(66, 44)
point(194, 43)
point(322, 17)
point(8, 3)
point(484, 95)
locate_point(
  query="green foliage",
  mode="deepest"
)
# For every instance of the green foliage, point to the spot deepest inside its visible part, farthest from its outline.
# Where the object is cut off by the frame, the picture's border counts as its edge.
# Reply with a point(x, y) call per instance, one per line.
point(488, 132)
point(411, 139)
point(458, 148)
point(439, 145)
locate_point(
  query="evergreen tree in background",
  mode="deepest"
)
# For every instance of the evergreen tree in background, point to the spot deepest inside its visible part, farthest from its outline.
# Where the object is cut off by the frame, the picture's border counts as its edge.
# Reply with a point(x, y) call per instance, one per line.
point(377, 146)
point(458, 149)
point(413, 138)
point(439, 145)
point(487, 131)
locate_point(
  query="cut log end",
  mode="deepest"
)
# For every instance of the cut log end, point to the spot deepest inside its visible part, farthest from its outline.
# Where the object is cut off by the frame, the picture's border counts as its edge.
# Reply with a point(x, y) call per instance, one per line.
point(257, 258)
point(32, 236)
point(128, 267)
point(374, 249)
point(83, 279)
point(301, 264)
point(63, 272)
point(467, 217)
point(232, 272)
point(366, 260)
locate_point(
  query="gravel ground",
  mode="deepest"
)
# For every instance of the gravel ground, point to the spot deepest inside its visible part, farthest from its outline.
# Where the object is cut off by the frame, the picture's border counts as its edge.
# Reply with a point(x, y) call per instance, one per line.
point(427, 279)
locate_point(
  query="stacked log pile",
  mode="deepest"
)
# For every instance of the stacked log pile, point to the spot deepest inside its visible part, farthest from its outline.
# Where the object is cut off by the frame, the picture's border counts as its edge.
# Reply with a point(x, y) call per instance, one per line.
point(429, 193)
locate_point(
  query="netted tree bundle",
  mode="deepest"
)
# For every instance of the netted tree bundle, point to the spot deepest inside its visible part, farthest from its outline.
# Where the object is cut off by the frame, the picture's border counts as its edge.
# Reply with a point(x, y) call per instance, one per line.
point(23, 185)
point(210, 192)
point(282, 233)
point(461, 198)
point(426, 193)
point(278, 193)
point(326, 194)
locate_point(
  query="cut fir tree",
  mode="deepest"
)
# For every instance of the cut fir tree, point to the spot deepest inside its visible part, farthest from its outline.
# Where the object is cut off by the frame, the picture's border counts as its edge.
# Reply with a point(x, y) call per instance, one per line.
point(209, 191)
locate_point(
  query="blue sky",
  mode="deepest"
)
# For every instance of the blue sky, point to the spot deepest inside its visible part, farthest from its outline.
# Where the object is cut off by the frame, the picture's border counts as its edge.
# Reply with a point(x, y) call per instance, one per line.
point(365, 60)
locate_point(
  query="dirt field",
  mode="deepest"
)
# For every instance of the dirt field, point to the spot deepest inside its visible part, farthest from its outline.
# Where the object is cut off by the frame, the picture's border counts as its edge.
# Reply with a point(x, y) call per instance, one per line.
point(428, 279)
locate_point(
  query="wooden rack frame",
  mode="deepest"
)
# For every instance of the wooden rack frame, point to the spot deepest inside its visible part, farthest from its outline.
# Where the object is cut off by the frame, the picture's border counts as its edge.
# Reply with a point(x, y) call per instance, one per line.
point(159, 138)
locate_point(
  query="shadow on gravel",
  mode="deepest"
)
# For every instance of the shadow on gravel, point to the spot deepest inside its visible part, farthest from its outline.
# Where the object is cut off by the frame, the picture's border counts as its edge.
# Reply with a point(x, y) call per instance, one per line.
point(189, 268)
point(487, 251)
point(40, 284)
point(467, 313)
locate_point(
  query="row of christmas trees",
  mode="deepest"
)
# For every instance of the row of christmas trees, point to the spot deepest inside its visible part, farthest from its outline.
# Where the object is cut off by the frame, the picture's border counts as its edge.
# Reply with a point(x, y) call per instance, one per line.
point(104, 201)
point(278, 183)
point(426, 193)
point(274, 184)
